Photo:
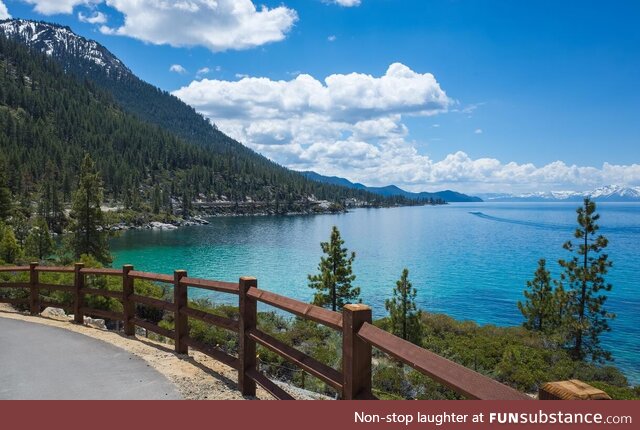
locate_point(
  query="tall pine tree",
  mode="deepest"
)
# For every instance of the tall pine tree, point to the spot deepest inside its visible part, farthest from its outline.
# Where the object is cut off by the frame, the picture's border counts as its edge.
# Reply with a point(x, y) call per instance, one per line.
point(88, 235)
point(403, 312)
point(333, 283)
point(583, 280)
point(6, 203)
point(539, 308)
point(39, 241)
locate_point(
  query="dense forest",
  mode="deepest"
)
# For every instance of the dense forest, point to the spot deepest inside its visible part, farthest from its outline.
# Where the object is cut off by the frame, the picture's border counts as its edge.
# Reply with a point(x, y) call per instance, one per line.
point(49, 119)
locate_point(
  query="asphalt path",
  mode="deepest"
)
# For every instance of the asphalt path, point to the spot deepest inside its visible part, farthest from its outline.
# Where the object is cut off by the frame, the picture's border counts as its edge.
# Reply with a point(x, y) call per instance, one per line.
point(47, 363)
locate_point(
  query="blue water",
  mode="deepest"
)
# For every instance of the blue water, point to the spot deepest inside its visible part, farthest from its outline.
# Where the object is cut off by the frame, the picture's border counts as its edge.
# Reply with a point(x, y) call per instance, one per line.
point(470, 261)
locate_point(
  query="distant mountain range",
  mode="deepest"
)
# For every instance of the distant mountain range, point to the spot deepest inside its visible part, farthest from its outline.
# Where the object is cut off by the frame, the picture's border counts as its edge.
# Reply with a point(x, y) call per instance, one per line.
point(609, 193)
point(392, 190)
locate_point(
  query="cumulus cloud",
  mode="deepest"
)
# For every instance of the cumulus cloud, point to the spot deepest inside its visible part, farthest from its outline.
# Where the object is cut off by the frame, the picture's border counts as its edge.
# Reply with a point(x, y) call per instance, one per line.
point(177, 68)
point(345, 3)
point(332, 38)
point(4, 13)
point(96, 18)
point(217, 25)
point(478, 131)
point(353, 126)
point(52, 7)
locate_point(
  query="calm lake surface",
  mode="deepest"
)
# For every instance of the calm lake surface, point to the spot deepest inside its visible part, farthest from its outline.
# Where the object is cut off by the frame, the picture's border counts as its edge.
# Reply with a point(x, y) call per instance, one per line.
point(470, 261)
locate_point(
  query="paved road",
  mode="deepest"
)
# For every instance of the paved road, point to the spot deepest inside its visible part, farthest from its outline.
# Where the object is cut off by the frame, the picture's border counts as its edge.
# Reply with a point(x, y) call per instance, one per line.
point(39, 362)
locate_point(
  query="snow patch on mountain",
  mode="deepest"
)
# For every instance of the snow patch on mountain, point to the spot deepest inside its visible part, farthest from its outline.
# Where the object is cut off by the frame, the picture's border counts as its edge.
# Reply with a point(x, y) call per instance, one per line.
point(605, 193)
point(61, 42)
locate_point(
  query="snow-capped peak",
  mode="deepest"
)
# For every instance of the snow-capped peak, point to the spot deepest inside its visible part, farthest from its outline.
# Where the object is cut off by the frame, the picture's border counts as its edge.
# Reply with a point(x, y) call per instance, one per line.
point(62, 43)
point(604, 193)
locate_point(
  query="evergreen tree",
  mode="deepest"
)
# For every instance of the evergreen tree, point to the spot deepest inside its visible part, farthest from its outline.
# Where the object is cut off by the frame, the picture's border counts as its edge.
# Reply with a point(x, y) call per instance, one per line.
point(540, 308)
point(39, 242)
point(333, 283)
point(10, 250)
point(5, 193)
point(583, 276)
point(403, 312)
point(88, 235)
point(157, 199)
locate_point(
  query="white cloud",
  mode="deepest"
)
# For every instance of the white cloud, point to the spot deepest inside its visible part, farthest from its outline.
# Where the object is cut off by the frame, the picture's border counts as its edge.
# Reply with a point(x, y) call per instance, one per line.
point(344, 3)
point(52, 7)
point(96, 18)
point(218, 25)
point(332, 38)
point(478, 131)
point(177, 68)
point(4, 13)
point(203, 71)
point(352, 126)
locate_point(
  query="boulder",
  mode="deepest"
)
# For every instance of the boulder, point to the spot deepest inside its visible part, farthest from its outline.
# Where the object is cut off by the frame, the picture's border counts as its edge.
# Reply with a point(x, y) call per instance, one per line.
point(55, 314)
point(95, 323)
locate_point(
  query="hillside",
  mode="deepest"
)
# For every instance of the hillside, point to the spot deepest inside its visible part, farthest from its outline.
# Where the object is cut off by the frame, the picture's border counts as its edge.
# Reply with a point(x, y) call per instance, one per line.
point(148, 144)
point(394, 191)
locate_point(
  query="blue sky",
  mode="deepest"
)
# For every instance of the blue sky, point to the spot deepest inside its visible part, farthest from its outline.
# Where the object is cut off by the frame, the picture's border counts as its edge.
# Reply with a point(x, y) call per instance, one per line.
point(516, 88)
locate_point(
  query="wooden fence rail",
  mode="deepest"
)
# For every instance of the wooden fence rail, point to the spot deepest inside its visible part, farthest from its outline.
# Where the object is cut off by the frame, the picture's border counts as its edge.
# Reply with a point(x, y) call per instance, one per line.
point(359, 335)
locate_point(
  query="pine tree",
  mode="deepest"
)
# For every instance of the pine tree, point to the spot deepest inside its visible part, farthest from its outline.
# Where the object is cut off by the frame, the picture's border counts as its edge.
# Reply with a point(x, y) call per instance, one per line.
point(5, 193)
point(403, 312)
point(39, 242)
point(583, 276)
point(333, 283)
point(10, 250)
point(87, 227)
point(540, 308)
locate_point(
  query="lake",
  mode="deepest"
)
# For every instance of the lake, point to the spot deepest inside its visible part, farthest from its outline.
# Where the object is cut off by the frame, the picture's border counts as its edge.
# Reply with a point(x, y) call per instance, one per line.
point(468, 260)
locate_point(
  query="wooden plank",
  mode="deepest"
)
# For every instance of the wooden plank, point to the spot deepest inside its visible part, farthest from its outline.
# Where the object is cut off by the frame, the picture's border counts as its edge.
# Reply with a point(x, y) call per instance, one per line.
point(101, 272)
point(128, 306)
point(155, 277)
point(309, 364)
point(78, 297)
point(152, 327)
point(269, 386)
point(181, 302)
point(15, 285)
point(216, 354)
point(225, 323)
point(102, 293)
point(14, 268)
point(54, 287)
point(460, 379)
point(356, 353)
point(53, 269)
point(248, 321)
point(314, 313)
point(156, 303)
point(116, 316)
point(222, 287)
point(34, 307)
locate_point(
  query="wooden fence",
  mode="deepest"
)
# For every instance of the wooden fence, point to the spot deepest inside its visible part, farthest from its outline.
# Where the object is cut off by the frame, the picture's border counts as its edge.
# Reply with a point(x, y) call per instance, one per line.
point(359, 335)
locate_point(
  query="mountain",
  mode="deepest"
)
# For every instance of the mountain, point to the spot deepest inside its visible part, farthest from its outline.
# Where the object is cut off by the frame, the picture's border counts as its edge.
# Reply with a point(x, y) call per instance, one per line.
point(392, 190)
point(609, 193)
point(62, 44)
point(63, 95)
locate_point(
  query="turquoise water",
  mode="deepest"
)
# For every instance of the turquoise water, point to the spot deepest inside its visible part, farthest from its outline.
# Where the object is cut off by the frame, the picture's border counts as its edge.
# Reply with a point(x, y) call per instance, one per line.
point(470, 261)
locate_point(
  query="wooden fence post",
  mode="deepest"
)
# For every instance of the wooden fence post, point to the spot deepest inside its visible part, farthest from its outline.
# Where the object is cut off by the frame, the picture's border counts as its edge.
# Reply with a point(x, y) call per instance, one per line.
point(128, 306)
point(356, 353)
point(34, 300)
point(180, 301)
point(78, 302)
point(247, 350)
